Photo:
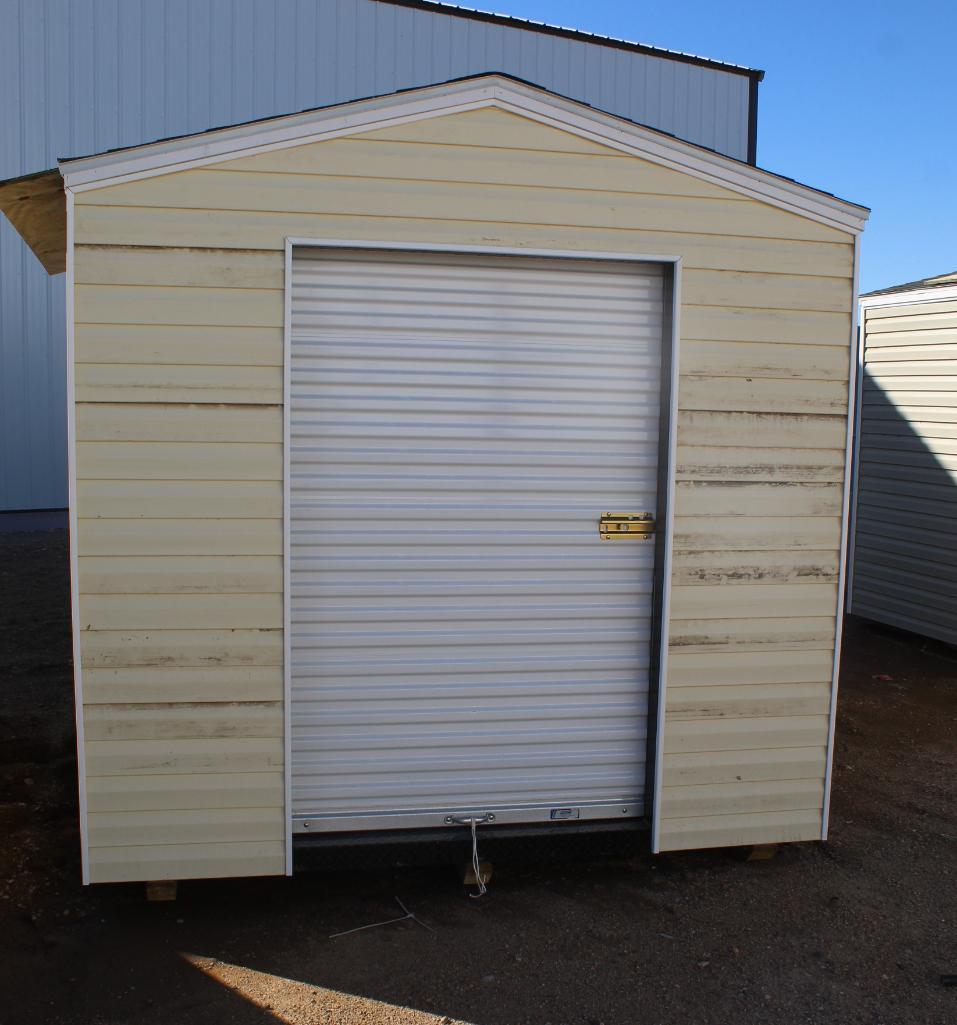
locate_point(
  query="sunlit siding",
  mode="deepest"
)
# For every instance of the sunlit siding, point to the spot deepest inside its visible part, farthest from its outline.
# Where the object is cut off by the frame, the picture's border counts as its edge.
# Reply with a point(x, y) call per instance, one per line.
point(179, 314)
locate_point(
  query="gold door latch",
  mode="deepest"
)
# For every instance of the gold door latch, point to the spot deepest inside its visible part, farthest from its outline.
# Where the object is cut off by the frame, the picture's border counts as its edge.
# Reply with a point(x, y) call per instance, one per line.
point(619, 526)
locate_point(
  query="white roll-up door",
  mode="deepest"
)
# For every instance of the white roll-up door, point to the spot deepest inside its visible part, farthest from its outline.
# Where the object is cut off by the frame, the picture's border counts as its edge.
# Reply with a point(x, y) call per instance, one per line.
point(462, 640)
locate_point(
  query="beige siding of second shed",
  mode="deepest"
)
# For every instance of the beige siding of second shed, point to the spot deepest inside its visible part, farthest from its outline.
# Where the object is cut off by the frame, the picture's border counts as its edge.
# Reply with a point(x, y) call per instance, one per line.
point(905, 551)
point(179, 314)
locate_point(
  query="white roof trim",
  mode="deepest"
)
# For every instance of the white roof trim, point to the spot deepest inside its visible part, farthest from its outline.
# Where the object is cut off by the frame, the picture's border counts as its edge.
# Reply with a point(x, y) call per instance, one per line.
point(498, 91)
point(909, 297)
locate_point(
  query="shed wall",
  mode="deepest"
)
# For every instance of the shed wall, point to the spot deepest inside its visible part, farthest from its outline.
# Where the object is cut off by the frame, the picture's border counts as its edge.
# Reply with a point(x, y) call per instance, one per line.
point(905, 550)
point(87, 76)
point(179, 349)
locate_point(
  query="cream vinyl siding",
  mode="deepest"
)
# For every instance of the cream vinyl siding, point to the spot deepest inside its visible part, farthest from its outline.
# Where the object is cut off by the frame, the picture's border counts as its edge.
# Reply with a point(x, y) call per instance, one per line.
point(905, 551)
point(179, 352)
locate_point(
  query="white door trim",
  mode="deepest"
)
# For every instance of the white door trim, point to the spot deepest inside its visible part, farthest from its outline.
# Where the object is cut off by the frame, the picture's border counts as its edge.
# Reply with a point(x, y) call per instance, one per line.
point(854, 372)
point(74, 538)
point(668, 447)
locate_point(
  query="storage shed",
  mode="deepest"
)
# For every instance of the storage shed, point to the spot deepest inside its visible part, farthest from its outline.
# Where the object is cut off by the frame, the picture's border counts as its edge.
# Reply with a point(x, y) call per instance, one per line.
point(904, 548)
point(462, 453)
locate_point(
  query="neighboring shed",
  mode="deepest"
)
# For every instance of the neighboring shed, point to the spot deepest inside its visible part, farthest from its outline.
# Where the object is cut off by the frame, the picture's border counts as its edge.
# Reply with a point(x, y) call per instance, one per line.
point(904, 547)
point(357, 395)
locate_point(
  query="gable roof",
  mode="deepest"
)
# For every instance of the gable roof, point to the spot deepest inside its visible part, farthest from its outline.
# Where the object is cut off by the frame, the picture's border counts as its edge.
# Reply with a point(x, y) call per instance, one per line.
point(167, 156)
point(948, 280)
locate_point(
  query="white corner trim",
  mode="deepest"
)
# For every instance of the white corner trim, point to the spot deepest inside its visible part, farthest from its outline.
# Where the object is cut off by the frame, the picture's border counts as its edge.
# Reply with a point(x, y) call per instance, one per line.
point(74, 538)
point(518, 98)
point(845, 525)
point(665, 628)
point(286, 555)
point(858, 381)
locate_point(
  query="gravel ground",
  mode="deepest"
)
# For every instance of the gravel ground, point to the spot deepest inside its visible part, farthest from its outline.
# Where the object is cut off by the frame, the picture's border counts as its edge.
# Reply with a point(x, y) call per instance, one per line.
point(860, 930)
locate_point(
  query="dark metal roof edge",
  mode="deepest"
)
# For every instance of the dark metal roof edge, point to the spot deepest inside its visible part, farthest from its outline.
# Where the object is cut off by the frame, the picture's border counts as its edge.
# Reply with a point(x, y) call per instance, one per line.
point(511, 21)
point(31, 176)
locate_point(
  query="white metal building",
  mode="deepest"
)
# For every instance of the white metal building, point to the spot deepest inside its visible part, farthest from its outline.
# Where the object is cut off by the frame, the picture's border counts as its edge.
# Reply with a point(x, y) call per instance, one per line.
point(119, 74)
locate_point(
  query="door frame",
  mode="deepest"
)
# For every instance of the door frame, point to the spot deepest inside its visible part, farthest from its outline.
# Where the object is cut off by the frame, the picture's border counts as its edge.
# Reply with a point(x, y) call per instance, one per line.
point(657, 677)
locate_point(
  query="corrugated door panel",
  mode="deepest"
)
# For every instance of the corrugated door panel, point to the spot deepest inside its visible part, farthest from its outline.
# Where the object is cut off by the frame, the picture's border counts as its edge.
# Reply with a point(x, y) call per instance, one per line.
point(462, 640)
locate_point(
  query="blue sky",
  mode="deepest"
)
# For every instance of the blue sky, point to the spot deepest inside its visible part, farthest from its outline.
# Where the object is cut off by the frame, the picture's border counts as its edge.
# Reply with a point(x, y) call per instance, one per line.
point(857, 100)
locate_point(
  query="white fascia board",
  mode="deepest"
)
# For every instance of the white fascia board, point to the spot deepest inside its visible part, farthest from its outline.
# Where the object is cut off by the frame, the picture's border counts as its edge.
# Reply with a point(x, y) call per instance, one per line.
point(942, 293)
point(345, 119)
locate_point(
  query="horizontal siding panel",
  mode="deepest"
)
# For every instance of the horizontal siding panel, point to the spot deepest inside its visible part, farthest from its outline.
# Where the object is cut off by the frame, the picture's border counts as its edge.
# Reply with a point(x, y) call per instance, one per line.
point(187, 861)
point(746, 734)
point(717, 767)
point(890, 373)
point(191, 268)
point(216, 307)
point(157, 684)
point(236, 229)
point(752, 701)
point(936, 395)
point(916, 413)
point(180, 575)
point(209, 791)
point(912, 571)
point(163, 344)
point(761, 430)
point(184, 826)
point(184, 757)
point(181, 611)
point(737, 668)
point(214, 189)
point(763, 359)
point(360, 157)
point(160, 721)
point(179, 537)
point(765, 291)
point(905, 445)
point(931, 343)
point(148, 460)
point(732, 799)
point(747, 499)
point(133, 382)
point(740, 829)
point(763, 395)
point(912, 316)
point(940, 628)
point(487, 127)
point(192, 500)
point(740, 324)
point(118, 648)
point(126, 422)
point(747, 600)
point(786, 567)
point(790, 465)
point(756, 634)
point(756, 533)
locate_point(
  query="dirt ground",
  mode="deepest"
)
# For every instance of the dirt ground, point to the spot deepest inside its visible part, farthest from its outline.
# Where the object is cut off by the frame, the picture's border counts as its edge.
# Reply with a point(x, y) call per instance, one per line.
point(860, 930)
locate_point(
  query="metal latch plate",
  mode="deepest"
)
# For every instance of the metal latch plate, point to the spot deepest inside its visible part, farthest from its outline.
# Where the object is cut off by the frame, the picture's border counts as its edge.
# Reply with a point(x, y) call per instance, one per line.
point(622, 526)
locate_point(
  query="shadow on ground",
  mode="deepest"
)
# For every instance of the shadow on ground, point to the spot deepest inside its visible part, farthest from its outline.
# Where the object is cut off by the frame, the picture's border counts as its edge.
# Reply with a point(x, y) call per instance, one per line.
point(856, 931)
